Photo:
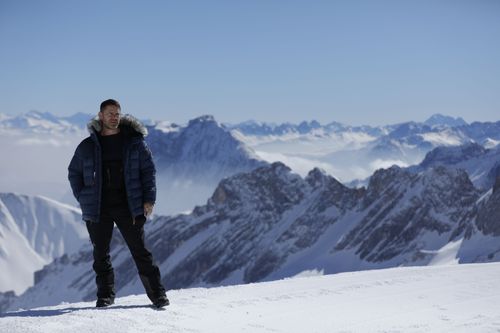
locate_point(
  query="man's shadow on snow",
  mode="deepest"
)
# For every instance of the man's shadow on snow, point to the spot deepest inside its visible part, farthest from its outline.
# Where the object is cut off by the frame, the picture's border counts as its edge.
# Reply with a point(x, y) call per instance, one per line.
point(58, 312)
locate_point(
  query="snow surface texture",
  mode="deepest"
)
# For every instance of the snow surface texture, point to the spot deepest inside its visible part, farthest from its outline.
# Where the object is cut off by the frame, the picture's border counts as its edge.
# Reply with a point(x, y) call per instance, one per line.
point(458, 298)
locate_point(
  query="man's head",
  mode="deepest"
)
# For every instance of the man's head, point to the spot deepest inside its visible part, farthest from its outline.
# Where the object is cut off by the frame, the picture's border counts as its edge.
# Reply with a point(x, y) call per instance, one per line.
point(109, 114)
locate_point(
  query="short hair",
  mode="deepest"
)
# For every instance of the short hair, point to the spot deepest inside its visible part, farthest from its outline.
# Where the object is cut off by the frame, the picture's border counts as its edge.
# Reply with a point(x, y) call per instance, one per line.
point(109, 102)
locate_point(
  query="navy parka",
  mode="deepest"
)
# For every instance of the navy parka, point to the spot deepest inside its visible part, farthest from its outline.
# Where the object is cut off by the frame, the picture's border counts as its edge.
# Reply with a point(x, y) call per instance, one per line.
point(85, 169)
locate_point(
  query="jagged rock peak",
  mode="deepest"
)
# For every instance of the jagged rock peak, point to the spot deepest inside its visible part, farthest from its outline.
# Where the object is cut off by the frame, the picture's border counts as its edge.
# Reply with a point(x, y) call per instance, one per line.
point(279, 167)
point(316, 177)
point(276, 170)
point(446, 178)
point(319, 177)
point(383, 177)
point(443, 120)
point(275, 179)
point(204, 119)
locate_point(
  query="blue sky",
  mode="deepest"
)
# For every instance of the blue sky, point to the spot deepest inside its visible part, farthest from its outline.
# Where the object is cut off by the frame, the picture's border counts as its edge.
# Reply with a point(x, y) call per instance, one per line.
point(357, 62)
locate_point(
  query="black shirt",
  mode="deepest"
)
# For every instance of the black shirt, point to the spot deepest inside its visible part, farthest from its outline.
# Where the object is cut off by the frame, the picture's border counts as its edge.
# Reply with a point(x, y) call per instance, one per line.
point(113, 180)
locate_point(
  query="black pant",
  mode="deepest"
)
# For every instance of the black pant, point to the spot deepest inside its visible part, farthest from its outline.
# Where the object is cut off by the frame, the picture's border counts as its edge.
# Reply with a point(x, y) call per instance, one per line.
point(100, 234)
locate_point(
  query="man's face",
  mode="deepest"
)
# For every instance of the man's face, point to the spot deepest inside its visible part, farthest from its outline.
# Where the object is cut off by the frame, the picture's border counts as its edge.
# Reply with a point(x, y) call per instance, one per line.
point(110, 117)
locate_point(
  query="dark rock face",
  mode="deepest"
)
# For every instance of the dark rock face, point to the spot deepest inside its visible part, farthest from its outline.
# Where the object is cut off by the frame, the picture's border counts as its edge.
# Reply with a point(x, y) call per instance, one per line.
point(488, 217)
point(262, 266)
point(400, 206)
point(6, 299)
point(242, 209)
point(493, 176)
point(259, 219)
point(453, 155)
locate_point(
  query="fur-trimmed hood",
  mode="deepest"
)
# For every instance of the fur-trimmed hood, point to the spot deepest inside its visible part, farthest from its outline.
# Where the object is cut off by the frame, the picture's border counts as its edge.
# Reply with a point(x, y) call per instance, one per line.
point(126, 120)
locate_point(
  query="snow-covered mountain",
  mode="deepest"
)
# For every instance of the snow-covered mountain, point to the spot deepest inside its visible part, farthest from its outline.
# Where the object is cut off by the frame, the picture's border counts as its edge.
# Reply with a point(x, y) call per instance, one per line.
point(484, 133)
point(34, 230)
point(462, 298)
point(191, 160)
point(44, 122)
point(482, 164)
point(202, 147)
point(271, 223)
point(439, 120)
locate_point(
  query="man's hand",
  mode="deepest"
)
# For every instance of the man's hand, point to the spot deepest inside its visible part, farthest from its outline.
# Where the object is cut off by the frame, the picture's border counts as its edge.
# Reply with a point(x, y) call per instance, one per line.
point(148, 208)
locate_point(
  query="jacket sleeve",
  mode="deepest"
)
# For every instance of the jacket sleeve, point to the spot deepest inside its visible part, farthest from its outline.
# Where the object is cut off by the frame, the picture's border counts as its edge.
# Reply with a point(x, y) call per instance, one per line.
point(75, 174)
point(148, 173)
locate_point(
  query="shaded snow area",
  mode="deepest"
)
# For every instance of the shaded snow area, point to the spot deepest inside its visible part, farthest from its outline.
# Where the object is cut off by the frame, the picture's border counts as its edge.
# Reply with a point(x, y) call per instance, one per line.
point(450, 298)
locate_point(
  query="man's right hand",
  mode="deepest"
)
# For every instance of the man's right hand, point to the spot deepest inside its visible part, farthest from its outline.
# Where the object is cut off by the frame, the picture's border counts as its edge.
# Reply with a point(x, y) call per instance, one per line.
point(148, 209)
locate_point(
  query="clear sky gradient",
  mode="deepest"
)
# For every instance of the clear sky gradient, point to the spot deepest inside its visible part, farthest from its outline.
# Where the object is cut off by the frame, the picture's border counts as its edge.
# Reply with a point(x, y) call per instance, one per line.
point(357, 62)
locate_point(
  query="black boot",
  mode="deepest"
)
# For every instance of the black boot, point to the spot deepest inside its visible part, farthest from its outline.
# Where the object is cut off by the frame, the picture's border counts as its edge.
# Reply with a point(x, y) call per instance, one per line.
point(161, 301)
point(104, 301)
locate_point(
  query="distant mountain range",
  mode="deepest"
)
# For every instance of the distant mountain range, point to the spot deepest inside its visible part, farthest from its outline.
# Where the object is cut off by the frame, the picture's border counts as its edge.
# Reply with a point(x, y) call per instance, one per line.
point(192, 158)
point(257, 128)
point(44, 122)
point(350, 153)
point(37, 121)
point(438, 130)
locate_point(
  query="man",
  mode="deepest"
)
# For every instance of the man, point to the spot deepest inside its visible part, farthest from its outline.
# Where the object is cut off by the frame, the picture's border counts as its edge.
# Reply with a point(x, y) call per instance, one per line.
point(112, 176)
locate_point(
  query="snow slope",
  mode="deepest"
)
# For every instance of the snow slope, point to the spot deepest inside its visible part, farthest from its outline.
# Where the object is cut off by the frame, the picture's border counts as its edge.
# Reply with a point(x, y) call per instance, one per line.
point(454, 298)
point(34, 230)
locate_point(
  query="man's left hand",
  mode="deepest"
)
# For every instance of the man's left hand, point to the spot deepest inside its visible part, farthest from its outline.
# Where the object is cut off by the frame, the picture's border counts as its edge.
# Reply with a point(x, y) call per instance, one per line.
point(148, 208)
